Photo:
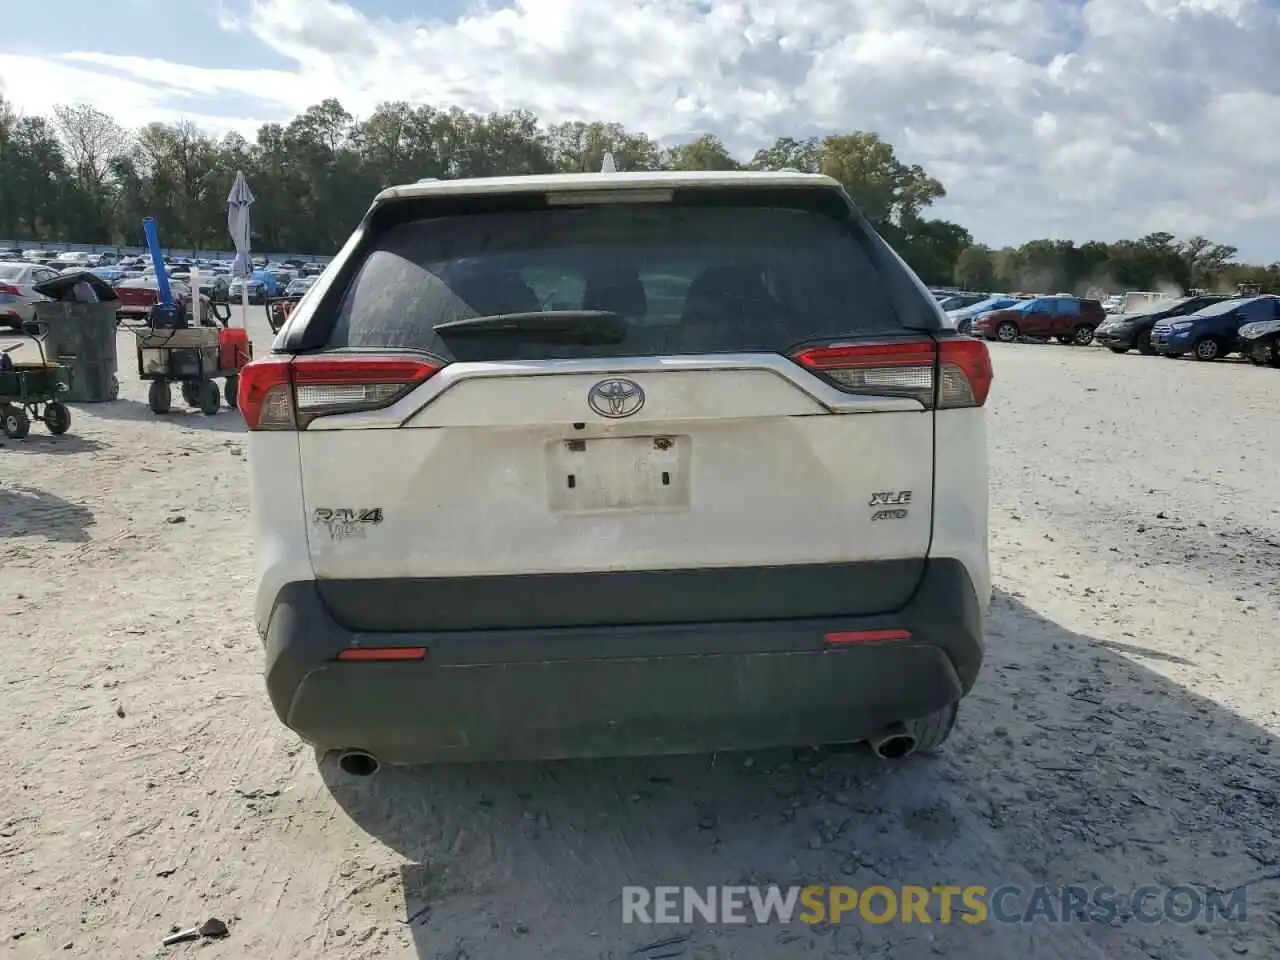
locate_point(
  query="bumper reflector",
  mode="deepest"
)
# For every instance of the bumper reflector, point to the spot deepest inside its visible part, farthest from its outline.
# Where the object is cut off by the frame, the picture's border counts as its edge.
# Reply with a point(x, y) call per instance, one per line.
point(866, 636)
point(367, 654)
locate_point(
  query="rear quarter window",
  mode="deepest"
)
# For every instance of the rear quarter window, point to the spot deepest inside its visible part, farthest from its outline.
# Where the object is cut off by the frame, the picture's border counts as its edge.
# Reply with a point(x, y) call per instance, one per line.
point(686, 279)
point(1258, 310)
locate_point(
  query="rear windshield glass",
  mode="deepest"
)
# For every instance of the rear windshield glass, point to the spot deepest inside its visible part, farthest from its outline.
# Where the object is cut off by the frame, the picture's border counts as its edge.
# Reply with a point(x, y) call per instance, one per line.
point(11, 271)
point(1224, 306)
point(685, 279)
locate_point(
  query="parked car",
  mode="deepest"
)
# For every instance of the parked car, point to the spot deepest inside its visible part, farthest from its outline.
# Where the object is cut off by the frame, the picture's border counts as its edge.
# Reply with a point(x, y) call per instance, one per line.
point(1213, 333)
point(425, 407)
point(1069, 319)
point(963, 318)
point(215, 286)
point(139, 294)
point(1127, 331)
point(262, 284)
point(298, 287)
point(111, 274)
point(958, 301)
point(74, 260)
point(257, 290)
point(1260, 341)
point(18, 296)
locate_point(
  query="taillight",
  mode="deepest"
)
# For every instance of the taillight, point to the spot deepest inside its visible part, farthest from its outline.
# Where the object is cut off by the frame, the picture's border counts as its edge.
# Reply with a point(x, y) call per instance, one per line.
point(964, 373)
point(287, 393)
point(945, 374)
point(9, 290)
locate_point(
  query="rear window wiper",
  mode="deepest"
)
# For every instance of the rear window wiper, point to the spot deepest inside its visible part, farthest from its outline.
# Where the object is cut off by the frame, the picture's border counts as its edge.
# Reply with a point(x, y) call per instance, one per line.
point(555, 326)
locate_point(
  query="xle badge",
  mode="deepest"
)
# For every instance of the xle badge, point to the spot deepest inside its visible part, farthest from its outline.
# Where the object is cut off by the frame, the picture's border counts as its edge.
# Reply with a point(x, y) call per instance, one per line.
point(890, 498)
point(346, 523)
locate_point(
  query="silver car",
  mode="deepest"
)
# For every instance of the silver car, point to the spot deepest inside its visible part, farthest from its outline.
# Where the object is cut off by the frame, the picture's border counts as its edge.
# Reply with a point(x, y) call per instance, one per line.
point(17, 291)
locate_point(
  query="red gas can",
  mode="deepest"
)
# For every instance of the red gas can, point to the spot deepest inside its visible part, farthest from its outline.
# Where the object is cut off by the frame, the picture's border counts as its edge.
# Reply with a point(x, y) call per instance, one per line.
point(234, 349)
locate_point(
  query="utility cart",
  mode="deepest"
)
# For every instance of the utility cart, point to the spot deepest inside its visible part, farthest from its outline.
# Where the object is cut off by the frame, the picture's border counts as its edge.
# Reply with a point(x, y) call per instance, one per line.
point(195, 358)
point(192, 355)
point(31, 390)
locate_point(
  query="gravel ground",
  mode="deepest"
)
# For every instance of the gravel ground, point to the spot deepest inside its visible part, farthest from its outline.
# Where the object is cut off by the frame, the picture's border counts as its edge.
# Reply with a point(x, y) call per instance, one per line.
point(1122, 733)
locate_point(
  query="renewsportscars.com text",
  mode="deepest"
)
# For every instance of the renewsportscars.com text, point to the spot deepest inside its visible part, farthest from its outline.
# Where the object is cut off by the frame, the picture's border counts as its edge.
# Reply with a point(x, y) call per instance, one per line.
point(943, 904)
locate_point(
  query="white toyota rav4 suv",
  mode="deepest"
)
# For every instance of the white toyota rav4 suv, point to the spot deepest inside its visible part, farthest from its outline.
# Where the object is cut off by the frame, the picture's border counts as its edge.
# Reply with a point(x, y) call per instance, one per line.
point(597, 464)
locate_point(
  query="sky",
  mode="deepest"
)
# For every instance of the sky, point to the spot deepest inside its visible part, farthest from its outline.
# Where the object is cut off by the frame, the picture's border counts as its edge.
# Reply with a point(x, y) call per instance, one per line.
point(1074, 119)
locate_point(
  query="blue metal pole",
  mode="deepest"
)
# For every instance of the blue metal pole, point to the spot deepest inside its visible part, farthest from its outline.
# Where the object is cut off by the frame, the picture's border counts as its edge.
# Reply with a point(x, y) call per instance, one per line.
point(153, 245)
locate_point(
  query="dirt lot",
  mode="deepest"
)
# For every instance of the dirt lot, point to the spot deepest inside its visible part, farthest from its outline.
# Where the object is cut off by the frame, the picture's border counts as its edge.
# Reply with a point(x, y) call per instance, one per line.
point(1123, 732)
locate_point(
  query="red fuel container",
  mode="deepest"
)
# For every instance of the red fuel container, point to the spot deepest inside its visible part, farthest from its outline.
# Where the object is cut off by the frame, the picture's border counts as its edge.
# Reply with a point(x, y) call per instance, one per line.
point(234, 349)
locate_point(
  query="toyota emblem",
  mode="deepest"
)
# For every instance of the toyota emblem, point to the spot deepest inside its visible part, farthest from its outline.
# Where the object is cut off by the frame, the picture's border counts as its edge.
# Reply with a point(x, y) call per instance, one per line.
point(616, 398)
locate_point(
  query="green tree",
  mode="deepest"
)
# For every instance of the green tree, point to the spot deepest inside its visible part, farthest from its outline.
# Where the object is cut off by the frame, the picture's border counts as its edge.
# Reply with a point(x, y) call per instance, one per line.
point(975, 268)
point(705, 153)
point(35, 199)
point(78, 176)
point(885, 189)
point(579, 147)
point(91, 142)
point(1206, 261)
point(787, 153)
point(930, 247)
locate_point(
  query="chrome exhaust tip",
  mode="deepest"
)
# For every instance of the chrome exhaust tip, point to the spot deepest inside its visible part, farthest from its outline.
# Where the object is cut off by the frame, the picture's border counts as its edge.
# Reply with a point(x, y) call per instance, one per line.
point(894, 742)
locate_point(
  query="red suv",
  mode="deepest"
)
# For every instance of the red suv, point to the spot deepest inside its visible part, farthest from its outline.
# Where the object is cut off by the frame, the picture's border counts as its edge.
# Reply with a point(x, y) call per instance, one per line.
point(1070, 319)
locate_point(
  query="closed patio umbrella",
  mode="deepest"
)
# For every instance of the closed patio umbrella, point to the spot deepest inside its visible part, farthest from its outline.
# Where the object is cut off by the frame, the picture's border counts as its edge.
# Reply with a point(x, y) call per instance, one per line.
point(238, 202)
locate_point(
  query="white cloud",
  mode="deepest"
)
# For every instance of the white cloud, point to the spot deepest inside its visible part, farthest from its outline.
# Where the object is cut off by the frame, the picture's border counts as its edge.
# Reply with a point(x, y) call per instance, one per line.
point(37, 85)
point(1079, 118)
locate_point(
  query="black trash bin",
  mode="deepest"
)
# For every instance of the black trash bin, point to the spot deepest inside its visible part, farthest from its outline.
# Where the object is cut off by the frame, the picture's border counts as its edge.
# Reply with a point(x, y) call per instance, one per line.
point(82, 336)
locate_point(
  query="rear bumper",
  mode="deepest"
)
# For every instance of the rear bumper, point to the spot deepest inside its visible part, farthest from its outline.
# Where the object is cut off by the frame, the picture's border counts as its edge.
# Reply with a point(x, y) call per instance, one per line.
point(609, 691)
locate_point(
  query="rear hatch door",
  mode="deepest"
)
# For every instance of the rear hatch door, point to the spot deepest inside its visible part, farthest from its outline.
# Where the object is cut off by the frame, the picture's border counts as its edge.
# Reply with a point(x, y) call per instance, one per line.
point(655, 432)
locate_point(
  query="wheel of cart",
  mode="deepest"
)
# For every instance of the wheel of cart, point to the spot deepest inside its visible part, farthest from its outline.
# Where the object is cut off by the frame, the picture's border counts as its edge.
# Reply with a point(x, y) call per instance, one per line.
point(30, 390)
point(195, 358)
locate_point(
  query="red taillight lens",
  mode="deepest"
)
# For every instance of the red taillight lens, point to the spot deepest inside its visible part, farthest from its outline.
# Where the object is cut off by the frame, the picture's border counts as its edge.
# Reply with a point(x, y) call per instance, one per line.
point(9, 290)
point(287, 393)
point(265, 397)
point(964, 373)
point(947, 374)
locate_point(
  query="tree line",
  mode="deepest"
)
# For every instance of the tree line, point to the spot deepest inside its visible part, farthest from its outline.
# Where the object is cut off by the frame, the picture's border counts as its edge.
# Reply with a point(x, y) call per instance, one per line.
point(79, 176)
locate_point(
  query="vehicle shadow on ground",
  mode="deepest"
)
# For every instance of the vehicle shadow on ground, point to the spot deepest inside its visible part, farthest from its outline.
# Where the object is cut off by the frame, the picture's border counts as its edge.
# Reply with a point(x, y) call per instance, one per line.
point(50, 445)
point(226, 420)
point(1068, 752)
point(28, 512)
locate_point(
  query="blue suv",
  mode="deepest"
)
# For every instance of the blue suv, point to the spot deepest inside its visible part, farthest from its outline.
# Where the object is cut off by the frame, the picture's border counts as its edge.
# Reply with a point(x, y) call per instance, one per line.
point(1211, 333)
